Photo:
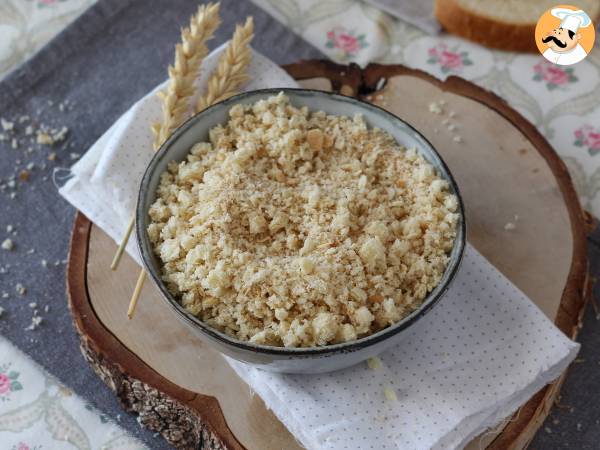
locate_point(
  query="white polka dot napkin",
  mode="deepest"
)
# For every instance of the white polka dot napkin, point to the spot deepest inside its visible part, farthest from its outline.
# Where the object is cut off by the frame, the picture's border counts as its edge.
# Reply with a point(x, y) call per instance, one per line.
point(482, 352)
point(472, 361)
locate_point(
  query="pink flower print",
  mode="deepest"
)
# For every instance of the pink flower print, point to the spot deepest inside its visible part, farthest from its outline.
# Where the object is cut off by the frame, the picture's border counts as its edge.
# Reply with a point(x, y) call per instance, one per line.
point(4, 384)
point(347, 42)
point(587, 136)
point(8, 382)
point(554, 76)
point(449, 59)
point(23, 446)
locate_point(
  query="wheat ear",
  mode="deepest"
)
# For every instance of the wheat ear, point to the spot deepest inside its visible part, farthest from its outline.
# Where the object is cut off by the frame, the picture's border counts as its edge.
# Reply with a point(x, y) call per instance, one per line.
point(175, 99)
point(231, 71)
point(182, 74)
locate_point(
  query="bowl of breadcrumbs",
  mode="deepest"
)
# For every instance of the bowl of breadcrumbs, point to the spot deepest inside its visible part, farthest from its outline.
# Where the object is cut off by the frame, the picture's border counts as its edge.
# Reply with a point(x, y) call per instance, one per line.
point(298, 230)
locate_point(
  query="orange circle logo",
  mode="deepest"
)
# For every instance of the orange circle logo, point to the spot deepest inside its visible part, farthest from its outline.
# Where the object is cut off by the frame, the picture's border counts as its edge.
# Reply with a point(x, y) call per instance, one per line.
point(565, 35)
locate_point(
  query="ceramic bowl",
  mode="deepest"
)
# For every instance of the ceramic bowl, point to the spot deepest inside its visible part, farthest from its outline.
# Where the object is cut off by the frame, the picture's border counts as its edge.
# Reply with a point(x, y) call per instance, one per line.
point(280, 359)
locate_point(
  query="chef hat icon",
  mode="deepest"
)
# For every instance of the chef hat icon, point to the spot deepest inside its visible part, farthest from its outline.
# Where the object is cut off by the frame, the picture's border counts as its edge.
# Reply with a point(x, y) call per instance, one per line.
point(571, 20)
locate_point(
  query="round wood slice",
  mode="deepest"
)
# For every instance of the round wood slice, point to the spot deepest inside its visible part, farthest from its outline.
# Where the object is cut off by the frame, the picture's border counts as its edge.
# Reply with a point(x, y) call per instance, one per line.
point(506, 171)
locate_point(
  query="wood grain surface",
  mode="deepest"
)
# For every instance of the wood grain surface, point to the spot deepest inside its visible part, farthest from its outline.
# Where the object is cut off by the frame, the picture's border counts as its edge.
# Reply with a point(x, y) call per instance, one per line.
point(503, 167)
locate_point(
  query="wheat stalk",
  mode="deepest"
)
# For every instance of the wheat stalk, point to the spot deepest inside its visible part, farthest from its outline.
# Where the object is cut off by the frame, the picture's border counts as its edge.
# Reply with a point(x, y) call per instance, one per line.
point(188, 57)
point(231, 71)
point(175, 98)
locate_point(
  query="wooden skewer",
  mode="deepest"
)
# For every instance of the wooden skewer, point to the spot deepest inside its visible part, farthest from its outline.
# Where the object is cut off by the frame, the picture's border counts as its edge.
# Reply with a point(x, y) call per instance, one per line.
point(136, 294)
point(117, 258)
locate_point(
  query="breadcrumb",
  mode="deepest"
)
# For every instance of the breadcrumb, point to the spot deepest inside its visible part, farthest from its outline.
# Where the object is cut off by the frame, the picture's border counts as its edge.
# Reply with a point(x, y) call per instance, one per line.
point(390, 394)
point(374, 363)
point(296, 228)
point(7, 244)
point(21, 290)
point(36, 321)
point(436, 108)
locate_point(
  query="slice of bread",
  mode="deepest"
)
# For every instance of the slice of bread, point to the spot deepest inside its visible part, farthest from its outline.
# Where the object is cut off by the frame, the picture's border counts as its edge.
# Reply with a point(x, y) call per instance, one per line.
point(503, 24)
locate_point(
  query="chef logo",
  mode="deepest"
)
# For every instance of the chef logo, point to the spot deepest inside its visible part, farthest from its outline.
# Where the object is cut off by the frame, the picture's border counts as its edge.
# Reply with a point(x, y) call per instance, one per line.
point(564, 35)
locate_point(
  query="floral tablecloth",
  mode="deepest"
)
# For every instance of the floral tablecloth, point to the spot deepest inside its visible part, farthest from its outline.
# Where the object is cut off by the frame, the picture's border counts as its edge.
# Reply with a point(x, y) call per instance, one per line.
point(563, 102)
point(36, 412)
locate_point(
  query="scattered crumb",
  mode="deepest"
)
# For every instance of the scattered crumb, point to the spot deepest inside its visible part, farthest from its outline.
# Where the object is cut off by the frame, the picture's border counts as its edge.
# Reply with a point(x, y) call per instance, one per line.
point(9, 228)
point(436, 108)
point(24, 175)
point(380, 84)
point(59, 135)
point(374, 363)
point(390, 394)
point(6, 125)
point(5, 295)
point(457, 138)
point(21, 290)
point(52, 156)
point(35, 322)
point(14, 144)
point(548, 430)
point(509, 226)
point(44, 263)
point(33, 305)
point(74, 155)
point(7, 244)
point(46, 308)
point(44, 138)
point(31, 251)
point(555, 422)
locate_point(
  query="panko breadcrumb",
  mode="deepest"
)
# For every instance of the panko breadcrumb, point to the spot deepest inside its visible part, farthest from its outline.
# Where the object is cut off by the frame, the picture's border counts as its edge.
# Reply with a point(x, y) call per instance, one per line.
point(296, 228)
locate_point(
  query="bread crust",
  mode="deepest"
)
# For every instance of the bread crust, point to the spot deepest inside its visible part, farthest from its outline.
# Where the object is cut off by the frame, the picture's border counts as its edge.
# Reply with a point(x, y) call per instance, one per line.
point(484, 30)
